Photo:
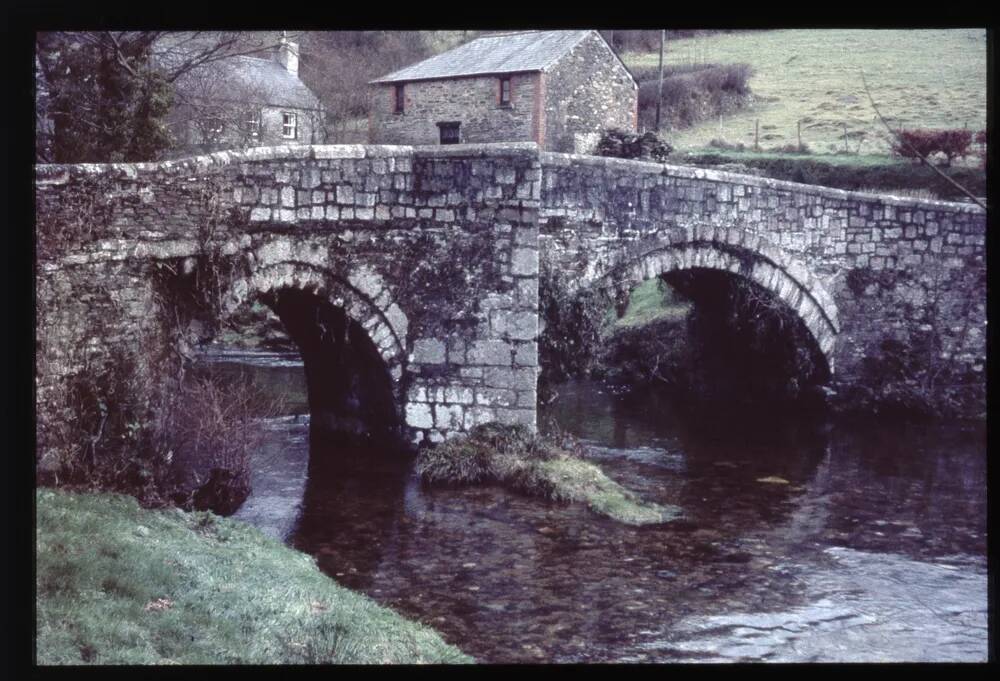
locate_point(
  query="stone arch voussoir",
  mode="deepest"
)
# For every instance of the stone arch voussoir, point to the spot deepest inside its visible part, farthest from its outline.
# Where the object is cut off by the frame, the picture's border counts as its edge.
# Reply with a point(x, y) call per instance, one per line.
point(362, 295)
point(734, 251)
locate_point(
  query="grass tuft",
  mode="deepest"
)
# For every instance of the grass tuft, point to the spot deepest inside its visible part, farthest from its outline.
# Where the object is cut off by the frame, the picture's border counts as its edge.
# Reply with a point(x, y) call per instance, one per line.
point(117, 584)
point(516, 458)
point(652, 301)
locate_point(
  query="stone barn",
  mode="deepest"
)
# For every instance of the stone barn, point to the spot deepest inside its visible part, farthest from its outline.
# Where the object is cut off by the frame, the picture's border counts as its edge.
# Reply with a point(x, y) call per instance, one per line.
point(559, 89)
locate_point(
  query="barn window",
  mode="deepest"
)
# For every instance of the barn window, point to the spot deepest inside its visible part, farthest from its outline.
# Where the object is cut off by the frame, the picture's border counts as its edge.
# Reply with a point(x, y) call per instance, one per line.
point(400, 100)
point(289, 126)
point(505, 92)
point(449, 132)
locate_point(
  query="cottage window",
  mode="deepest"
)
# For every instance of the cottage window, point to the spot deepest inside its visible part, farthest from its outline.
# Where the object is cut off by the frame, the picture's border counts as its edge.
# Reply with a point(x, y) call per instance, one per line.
point(400, 101)
point(505, 92)
point(449, 132)
point(214, 127)
point(289, 126)
point(252, 123)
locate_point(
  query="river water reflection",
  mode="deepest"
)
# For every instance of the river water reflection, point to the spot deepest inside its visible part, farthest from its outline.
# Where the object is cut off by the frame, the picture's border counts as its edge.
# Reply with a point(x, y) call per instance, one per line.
point(799, 542)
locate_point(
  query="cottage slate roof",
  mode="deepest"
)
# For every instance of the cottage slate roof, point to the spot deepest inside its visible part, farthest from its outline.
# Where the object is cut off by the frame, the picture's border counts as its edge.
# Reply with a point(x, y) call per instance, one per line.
point(504, 53)
point(242, 78)
point(284, 88)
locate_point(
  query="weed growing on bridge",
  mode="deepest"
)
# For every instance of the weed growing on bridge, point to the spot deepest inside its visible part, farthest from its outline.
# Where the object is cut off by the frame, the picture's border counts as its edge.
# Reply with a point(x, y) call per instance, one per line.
point(84, 218)
point(573, 321)
point(187, 443)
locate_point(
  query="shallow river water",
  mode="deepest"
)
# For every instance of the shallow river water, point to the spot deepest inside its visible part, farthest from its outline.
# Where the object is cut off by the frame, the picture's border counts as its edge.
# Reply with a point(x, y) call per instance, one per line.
point(846, 541)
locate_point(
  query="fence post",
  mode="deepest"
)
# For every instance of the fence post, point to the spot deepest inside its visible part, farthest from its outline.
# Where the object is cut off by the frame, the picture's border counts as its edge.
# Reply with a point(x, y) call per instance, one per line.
point(756, 135)
point(846, 150)
point(798, 125)
point(659, 87)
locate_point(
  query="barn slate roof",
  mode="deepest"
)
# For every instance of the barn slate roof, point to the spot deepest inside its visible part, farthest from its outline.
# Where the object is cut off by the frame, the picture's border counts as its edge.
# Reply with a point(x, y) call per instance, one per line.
point(503, 53)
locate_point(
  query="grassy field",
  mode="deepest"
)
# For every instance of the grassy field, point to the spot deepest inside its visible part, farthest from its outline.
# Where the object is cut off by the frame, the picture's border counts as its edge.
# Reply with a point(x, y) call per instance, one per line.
point(117, 584)
point(933, 78)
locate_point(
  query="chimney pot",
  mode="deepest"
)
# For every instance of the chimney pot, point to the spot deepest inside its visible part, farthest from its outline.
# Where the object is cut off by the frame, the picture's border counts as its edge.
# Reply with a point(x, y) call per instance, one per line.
point(288, 56)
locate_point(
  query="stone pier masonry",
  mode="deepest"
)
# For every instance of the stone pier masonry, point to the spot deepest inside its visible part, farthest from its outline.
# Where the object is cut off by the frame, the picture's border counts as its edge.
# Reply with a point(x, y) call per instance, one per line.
point(435, 252)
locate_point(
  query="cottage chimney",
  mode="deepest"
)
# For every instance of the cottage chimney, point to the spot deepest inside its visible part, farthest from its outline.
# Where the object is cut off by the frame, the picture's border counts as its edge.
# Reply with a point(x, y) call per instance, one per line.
point(288, 56)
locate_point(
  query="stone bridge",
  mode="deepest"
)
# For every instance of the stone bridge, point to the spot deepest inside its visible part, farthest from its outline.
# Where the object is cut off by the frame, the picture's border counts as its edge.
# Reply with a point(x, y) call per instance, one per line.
point(409, 276)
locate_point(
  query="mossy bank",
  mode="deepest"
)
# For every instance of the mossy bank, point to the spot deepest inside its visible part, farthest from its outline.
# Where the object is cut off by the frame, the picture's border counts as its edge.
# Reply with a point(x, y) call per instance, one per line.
point(117, 584)
point(516, 458)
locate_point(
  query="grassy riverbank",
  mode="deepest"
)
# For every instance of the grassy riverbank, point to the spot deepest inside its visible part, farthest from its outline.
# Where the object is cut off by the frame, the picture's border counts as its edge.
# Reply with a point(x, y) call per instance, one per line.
point(117, 584)
point(517, 459)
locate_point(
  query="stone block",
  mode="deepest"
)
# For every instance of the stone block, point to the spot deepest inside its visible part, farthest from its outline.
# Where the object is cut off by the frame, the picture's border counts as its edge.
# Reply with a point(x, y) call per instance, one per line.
point(496, 397)
point(513, 379)
point(428, 351)
point(448, 416)
point(516, 416)
point(458, 395)
point(515, 325)
point(310, 178)
point(491, 353)
point(419, 415)
point(476, 416)
point(527, 398)
point(345, 194)
point(526, 355)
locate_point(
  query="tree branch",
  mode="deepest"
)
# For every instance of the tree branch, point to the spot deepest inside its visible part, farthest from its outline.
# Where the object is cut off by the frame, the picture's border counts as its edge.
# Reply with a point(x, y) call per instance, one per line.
point(899, 138)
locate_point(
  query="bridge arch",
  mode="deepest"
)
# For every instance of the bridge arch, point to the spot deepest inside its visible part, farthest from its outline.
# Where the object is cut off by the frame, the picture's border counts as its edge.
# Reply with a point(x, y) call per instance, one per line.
point(365, 304)
point(733, 251)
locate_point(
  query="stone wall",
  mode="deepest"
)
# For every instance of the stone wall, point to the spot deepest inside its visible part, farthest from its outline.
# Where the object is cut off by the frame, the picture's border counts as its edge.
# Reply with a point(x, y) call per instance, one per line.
point(587, 91)
point(860, 269)
point(432, 251)
point(472, 101)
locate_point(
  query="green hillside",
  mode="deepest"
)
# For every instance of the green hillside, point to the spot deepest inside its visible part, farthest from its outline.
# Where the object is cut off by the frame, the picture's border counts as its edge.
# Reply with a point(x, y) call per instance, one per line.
point(920, 78)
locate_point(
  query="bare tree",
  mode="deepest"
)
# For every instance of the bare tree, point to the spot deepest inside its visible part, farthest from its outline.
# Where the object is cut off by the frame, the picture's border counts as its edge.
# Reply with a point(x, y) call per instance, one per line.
point(104, 95)
point(902, 141)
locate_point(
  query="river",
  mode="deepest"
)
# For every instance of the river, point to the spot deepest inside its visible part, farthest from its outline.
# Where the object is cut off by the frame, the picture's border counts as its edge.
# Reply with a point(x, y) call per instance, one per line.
point(833, 541)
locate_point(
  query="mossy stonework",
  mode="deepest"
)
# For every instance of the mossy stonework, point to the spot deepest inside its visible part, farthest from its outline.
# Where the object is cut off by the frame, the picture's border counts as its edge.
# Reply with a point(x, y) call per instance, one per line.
point(430, 257)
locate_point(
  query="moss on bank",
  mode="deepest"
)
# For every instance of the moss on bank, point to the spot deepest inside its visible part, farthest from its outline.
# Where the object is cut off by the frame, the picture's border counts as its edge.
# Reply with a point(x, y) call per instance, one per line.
point(516, 458)
point(117, 584)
